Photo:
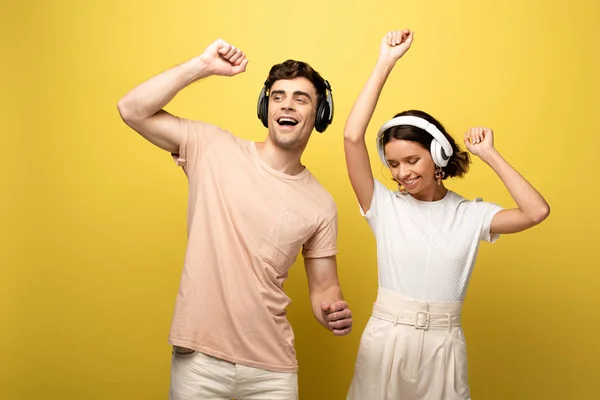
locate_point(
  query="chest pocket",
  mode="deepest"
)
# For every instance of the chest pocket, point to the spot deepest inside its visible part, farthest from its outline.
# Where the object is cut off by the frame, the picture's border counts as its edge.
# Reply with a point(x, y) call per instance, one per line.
point(283, 241)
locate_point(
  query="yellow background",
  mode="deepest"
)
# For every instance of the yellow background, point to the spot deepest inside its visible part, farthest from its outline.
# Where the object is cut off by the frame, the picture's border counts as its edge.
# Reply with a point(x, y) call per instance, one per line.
point(93, 217)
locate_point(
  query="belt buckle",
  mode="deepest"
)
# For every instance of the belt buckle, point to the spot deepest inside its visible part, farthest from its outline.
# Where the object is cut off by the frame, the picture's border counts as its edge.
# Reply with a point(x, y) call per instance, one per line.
point(422, 315)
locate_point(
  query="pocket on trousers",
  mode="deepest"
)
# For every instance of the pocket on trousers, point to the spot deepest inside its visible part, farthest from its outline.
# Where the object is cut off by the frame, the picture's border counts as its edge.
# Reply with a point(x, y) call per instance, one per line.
point(183, 352)
point(461, 370)
point(370, 348)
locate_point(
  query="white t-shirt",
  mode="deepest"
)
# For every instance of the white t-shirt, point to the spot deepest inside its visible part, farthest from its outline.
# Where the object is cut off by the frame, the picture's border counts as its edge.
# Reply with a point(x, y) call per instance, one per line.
point(427, 249)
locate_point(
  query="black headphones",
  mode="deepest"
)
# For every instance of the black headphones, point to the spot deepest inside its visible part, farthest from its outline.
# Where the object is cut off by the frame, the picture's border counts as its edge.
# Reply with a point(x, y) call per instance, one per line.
point(324, 109)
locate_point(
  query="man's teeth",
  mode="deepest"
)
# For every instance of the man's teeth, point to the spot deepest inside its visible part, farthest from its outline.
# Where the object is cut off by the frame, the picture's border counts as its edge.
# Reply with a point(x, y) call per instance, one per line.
point(287, 120)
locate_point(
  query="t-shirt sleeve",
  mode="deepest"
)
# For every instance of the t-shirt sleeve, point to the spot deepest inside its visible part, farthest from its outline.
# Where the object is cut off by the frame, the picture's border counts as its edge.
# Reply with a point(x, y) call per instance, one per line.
point(323, 243)
point(487, 211)
point(196, 139)
point(380, 196)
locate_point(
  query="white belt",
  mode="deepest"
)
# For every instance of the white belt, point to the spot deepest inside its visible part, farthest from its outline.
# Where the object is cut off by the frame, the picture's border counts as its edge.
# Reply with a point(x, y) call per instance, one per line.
point(419, 319)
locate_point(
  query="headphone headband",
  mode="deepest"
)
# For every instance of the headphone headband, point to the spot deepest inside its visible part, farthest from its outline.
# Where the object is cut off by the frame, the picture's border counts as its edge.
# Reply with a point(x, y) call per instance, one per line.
point(441, 149)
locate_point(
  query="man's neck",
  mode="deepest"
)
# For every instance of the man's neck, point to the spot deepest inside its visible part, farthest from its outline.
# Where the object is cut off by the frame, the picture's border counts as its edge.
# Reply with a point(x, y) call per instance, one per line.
point(286, 161)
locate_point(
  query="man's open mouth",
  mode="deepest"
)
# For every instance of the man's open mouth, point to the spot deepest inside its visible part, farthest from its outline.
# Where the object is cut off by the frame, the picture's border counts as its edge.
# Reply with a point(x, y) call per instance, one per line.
point(287, 121)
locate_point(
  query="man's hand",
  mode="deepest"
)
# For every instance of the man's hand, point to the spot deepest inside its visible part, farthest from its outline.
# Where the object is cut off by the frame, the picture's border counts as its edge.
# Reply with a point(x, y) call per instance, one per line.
point(222, 58)
point(338, 317)
point(394, 44)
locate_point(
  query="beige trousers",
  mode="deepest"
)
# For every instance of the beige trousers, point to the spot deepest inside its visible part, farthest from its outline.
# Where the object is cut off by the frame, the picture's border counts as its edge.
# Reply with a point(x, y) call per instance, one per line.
point(411, 350)
point(197, 376)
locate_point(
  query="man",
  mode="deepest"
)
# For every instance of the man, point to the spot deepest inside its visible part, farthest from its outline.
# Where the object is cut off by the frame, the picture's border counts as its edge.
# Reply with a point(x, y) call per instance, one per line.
point(252, 208)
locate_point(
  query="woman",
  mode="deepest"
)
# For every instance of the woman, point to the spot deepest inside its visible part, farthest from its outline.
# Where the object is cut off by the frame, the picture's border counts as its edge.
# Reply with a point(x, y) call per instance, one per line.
point(427, 236)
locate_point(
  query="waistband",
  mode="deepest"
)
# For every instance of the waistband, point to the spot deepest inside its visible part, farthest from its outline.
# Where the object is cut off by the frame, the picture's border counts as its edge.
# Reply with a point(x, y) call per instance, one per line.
point(399, 309)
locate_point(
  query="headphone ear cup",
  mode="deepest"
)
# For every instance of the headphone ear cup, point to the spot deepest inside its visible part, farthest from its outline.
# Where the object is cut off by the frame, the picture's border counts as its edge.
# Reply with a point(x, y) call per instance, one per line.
point(321, 120)
point(436, 149)
point(262, 109)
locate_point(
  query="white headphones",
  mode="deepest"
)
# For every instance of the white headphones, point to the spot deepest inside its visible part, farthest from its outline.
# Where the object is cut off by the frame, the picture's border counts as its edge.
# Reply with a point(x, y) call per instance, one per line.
point(441, 149)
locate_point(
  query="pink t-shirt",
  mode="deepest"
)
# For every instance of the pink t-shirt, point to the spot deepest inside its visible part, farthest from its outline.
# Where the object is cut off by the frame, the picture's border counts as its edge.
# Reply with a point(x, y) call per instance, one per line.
point(246, 225)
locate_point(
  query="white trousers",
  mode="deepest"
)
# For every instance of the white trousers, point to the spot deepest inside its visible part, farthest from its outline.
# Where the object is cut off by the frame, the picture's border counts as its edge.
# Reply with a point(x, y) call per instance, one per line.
point(197, 376)
point(411, 350)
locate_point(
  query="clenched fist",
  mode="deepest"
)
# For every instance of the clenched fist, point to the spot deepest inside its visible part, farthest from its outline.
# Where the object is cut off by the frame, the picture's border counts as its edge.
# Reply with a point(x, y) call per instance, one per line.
point(222, 58)
point(338, 317)
point(394, 44)
point(479, 140)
